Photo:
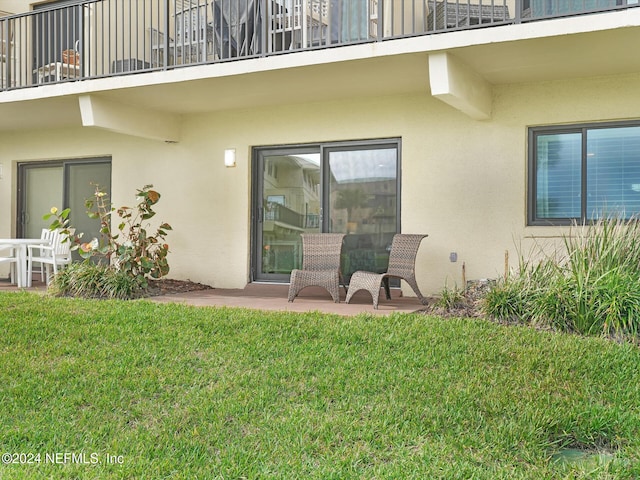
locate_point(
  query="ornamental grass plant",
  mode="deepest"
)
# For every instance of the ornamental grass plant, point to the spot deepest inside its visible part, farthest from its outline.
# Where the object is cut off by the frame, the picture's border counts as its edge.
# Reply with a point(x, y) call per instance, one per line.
point(90, 280)
point(589, 286)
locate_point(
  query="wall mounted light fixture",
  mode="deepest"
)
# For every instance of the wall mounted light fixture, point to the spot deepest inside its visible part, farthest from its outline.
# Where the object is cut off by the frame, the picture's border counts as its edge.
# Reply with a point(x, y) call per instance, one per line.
point(230, 157)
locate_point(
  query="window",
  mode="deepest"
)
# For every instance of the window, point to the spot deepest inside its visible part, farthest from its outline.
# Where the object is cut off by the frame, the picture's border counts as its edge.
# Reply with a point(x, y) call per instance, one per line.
point(583, 173)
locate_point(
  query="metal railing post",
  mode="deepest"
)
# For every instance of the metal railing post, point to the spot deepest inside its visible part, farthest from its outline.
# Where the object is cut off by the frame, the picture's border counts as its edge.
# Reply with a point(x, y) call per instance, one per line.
point(380, 19)
point(165, 50)
point(518, 14)
point(265, 24)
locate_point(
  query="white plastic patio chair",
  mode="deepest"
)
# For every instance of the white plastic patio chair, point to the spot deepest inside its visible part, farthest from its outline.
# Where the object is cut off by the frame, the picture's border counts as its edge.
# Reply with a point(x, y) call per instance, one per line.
point(50, 256)
point(46, 236)
point(9, 255)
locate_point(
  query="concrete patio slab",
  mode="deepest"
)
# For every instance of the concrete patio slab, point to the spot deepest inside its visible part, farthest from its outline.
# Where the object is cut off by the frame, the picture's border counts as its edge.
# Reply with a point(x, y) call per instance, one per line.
point(273, 297)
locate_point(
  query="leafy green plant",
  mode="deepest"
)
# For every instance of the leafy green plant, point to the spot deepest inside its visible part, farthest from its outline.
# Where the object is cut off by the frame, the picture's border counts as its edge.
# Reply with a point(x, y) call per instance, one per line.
point(505, 301)
point(130, 247)
point(61, 222)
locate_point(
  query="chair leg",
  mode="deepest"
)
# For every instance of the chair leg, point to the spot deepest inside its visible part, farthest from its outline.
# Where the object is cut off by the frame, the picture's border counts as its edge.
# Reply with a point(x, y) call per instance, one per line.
point(295, 285)
point(387, 290)
point(375, 296)
point(414, 285)
point(48, 276)
point(350, 293)
point(294, 289)
point(368, 281)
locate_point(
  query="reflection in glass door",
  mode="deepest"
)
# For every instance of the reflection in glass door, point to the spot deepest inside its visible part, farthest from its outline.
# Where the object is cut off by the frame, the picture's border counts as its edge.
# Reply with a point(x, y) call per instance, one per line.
point(363, 203)
point(355, 184)
point(81, 180)
point(289, 204)
point(43, 185)
point(41, 189)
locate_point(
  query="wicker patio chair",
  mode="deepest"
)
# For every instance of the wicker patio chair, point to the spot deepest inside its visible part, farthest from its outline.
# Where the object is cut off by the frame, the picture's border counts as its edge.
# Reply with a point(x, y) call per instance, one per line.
point(402, 261)
point(320, 264)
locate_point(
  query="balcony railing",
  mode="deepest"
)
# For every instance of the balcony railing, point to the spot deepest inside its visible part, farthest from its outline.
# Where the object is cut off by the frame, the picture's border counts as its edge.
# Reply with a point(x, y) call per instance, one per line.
point(279, 213)
point(100, 38)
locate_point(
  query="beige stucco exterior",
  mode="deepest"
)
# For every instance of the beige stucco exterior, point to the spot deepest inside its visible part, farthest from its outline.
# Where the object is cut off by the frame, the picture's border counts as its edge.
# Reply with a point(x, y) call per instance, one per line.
point(460, 102)
point(463, 180)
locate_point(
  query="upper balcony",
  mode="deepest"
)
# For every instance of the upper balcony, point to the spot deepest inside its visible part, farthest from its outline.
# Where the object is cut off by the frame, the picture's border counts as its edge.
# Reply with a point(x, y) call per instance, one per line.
point(104, 38)
point(130, 65)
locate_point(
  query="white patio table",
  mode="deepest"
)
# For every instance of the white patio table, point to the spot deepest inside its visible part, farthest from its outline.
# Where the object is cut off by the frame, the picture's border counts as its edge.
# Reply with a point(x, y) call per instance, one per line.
point(20, 244)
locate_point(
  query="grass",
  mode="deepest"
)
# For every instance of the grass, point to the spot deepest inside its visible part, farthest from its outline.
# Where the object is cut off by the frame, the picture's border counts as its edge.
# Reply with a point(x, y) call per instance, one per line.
point(172, 391)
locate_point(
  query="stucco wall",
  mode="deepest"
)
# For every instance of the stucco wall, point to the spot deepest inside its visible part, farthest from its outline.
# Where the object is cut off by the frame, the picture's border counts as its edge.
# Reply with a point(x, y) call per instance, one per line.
point(463, 181)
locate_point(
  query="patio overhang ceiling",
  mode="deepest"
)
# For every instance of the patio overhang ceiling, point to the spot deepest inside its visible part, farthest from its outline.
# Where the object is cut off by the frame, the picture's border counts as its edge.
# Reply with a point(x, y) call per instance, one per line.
point(97, 112)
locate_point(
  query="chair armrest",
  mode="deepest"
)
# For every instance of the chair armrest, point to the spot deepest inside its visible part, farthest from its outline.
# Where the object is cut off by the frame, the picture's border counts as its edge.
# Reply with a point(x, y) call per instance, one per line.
point(40, 247)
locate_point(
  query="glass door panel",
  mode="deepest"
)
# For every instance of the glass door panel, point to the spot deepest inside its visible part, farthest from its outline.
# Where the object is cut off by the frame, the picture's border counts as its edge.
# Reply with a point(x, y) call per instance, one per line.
point(41, 190)
point(81, 181)
point(363, 203)
point(289, 193)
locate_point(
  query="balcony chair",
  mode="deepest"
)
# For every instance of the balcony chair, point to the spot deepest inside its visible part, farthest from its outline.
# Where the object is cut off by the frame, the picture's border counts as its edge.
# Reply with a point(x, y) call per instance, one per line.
point(402, 261)
point(9, 255)
point(320, 264)
point(56, 253)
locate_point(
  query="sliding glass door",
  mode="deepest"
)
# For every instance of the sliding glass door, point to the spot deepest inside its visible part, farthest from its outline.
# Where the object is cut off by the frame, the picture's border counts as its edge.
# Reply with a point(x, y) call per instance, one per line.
point(350, 188)
point(60, 184)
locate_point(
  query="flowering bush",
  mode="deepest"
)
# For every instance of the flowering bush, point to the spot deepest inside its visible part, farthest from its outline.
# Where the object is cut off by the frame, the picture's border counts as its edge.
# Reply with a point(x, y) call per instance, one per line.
point(130, 248)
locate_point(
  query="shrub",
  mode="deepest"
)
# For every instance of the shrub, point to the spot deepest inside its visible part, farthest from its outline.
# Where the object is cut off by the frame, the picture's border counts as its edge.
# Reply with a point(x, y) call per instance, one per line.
point(90, 280)
point(590, 287)
point(131, 248)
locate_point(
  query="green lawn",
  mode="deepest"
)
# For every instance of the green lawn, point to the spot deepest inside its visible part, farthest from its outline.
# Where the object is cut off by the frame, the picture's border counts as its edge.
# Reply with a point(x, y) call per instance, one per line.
point(150, 391)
